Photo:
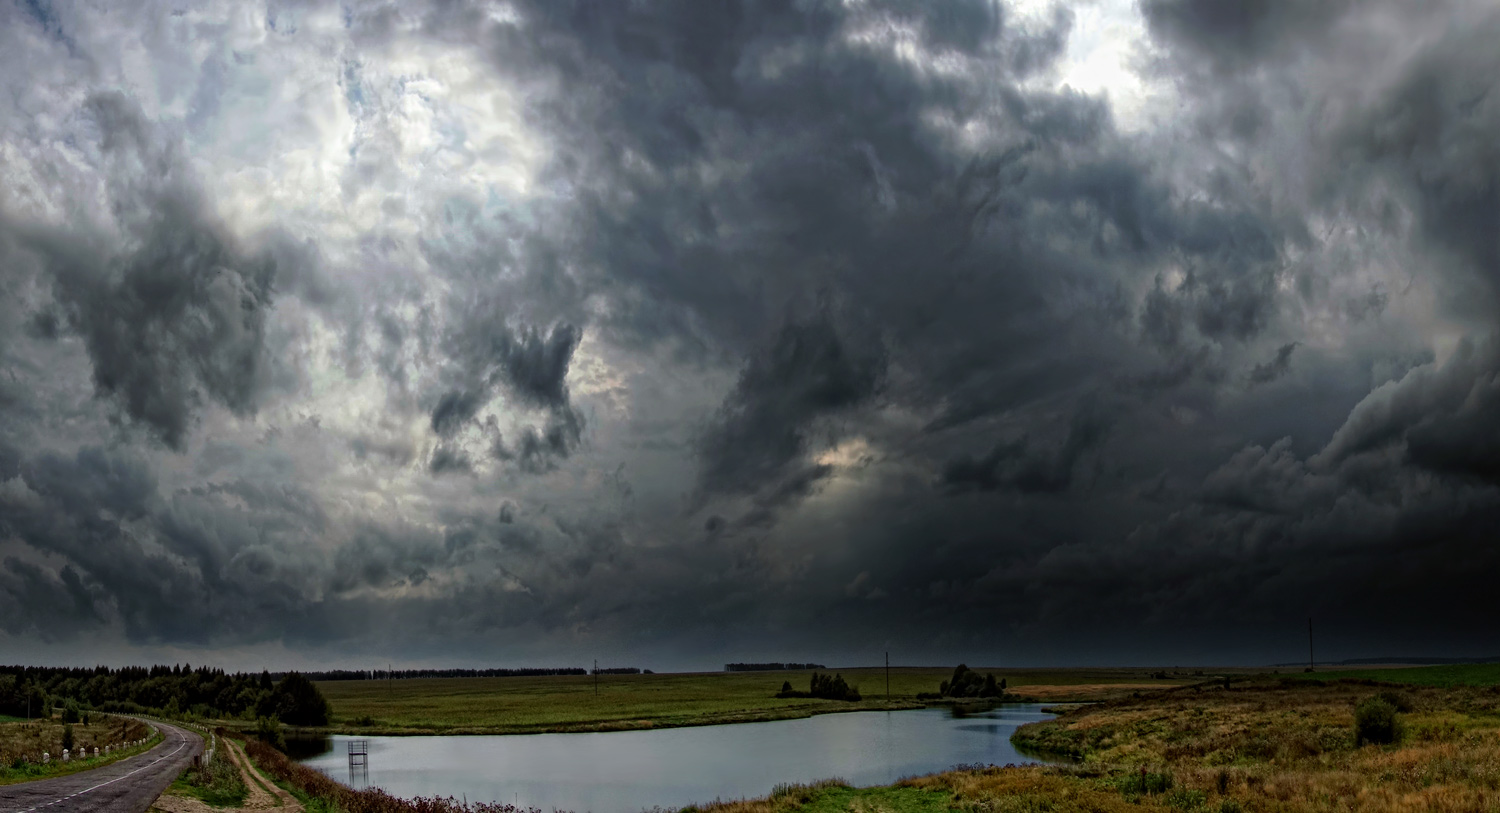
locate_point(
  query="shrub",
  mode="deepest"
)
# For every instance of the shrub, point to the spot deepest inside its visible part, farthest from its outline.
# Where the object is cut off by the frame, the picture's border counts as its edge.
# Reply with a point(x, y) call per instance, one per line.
point(1375, 722)
point(67, 742)
point(833, 688)
point(1145, 782)
point(968, 683)
point(217, 781)
point(1400, 700)
point(269, 731)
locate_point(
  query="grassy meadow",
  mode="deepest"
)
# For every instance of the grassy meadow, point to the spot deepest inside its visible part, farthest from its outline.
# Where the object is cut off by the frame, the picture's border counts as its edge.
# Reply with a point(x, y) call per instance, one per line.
point(568, 703)
point(1460, 674)
point(1262, 745)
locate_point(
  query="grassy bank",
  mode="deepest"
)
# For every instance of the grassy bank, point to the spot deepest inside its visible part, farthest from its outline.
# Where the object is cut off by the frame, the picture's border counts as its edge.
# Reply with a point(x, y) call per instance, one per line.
point(320, 794)
point(569, 703)
point(1286, 746)
point(22, 744)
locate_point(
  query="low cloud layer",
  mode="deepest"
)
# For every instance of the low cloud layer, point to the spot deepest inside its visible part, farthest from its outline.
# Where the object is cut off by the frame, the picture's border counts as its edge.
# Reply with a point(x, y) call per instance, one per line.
point(680, 333)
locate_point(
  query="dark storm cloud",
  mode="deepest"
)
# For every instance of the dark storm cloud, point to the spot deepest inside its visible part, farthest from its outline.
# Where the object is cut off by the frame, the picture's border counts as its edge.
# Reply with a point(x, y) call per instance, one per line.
point(1233, 33)
point(1444, 419)
point(455, 409)
point(174, 316)
point(526, 364)
point(1277, 367)
point(810, 372)
point(932, 349)
point(1431, 134)
point(1024, 466)
point(448, 460)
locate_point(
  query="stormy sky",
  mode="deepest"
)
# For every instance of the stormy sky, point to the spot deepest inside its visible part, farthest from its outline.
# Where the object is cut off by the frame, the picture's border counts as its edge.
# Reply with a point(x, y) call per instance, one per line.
point(673, 333)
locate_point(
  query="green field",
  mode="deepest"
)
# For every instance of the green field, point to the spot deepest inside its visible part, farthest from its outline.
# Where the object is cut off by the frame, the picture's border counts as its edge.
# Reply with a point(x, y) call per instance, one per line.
point(1461, 674)
point(568, 703)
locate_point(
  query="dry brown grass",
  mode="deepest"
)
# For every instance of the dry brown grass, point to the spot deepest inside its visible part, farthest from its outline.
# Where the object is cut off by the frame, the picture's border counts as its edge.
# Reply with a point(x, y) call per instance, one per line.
point(1085, 691)
point(1276, 747)
point(1258, 748)
point(29, 740)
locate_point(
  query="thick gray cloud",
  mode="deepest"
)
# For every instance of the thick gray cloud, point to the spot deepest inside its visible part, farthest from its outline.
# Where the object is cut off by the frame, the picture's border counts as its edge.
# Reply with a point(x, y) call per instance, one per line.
point(810, 373)
point(175, 314)
point(657, 330)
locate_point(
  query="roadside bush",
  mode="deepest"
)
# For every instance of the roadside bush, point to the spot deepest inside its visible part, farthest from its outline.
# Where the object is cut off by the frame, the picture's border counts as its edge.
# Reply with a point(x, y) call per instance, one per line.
point(1375, 722)
point(217, 782)
point(67, 739)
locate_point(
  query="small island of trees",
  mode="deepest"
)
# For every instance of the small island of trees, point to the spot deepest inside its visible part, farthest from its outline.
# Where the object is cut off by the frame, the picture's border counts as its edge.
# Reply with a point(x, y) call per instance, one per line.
point(823, 687)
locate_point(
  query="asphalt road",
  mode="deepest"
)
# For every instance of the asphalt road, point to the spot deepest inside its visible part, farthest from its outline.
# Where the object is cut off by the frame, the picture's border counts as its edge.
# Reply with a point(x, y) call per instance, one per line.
point(127, 786)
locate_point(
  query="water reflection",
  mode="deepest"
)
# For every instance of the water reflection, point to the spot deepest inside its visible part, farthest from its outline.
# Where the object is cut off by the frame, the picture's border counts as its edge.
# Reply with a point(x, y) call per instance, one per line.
point(628, 771)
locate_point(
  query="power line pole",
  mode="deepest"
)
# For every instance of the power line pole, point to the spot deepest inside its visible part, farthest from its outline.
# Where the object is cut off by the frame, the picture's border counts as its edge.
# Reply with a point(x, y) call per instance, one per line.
point(887, 676)
point(596, 677)
point(1309, 645)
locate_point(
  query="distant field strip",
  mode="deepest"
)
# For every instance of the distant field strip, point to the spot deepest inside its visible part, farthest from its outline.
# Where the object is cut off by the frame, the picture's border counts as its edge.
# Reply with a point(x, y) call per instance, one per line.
point(568, 703)
point(1463, 674)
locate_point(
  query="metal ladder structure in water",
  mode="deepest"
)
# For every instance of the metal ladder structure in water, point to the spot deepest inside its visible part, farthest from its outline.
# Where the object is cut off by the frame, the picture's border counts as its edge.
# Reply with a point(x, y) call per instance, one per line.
point(359, 763)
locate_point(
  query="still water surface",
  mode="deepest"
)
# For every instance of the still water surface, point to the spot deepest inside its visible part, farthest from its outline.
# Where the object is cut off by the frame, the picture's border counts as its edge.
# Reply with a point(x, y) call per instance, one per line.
point(627, 771)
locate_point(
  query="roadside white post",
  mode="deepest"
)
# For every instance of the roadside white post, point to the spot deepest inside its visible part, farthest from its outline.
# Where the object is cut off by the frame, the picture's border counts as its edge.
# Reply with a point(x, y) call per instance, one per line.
point(46, 757)
point(65, 755)
point(96, 750)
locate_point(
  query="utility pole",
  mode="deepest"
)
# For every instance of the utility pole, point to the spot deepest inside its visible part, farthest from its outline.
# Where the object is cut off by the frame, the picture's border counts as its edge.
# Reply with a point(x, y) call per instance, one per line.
point(390, 680)
point(596, 677)
point(887, 676)
point(1309, 646)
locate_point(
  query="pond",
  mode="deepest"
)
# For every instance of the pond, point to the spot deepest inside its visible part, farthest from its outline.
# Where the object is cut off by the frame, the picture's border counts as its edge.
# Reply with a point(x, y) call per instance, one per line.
point(628, 771)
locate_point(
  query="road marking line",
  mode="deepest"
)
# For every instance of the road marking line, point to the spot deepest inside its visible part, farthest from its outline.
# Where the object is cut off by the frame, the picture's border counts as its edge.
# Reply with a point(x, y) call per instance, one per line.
point(182, 745)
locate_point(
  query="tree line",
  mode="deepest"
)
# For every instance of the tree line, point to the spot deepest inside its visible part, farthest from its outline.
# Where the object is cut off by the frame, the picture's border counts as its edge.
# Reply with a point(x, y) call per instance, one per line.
point(771, 667)
point(407, 674)
point(170, 691)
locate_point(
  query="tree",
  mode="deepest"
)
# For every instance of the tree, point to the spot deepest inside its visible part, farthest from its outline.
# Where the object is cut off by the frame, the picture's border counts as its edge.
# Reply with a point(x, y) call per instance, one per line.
point(299, 702)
